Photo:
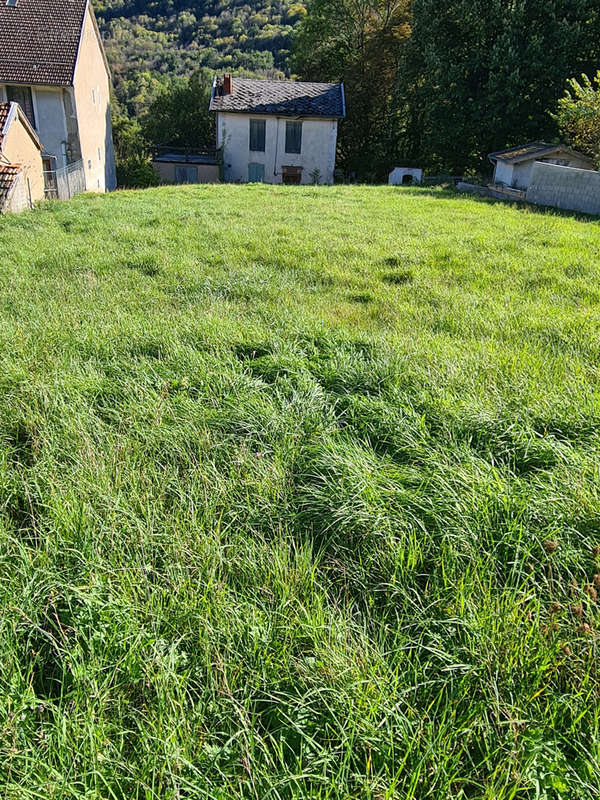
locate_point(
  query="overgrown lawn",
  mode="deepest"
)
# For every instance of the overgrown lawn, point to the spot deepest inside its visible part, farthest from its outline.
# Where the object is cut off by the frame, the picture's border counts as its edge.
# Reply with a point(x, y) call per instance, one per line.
point(299, 497)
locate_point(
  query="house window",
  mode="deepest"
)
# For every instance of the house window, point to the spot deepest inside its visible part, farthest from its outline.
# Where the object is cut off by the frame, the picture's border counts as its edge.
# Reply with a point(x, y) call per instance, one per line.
point(257, 135)
point(186, 174)
point(23, 96)
point(293, 137)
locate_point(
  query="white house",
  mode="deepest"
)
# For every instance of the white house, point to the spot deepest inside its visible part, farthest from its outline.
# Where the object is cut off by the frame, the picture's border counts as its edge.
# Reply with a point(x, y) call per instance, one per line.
point(513, 167)
point(52, 64)
point(277, 131)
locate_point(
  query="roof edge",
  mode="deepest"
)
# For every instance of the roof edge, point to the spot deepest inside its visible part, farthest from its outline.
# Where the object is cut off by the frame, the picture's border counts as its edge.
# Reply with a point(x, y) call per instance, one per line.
point(15, 110)
point(247, 113)
point(544, 148)
point(89, 9)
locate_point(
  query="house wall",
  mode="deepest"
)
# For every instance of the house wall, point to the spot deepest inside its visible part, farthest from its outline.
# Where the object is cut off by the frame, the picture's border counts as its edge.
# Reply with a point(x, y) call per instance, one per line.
point(92, 105)
point(51, 123)
point(519, 175)
point(319, 140)
point(565, 187)
point(19, 148)
point(207, 173)
point(522, 175)
point(17, 200)
point(503, 173)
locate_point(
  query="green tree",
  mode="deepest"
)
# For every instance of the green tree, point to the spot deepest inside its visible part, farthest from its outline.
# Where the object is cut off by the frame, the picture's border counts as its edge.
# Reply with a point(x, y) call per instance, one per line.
point(485, 74)
point(179, 114)
point(359, 42)
point(128, 139)
point(579, 115)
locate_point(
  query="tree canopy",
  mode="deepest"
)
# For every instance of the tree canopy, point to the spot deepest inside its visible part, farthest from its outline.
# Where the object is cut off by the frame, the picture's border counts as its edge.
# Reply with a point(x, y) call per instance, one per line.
point(430, 83)
point(579, 115)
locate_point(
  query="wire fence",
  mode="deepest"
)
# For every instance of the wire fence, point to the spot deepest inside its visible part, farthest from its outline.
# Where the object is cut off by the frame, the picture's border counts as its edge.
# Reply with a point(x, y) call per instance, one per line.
point(65, 183)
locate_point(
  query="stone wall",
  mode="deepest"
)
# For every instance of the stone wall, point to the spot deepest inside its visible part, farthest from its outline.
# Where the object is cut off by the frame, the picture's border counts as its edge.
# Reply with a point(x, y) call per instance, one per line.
point(564, 187)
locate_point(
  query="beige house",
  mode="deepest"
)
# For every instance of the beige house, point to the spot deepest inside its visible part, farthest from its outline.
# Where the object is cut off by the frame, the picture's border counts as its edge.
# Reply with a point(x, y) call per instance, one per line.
point(21, 166)
point(52, 63)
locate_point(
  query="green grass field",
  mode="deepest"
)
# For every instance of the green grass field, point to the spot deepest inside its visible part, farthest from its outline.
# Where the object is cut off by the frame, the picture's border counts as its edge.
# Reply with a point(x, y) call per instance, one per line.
point(299, 497)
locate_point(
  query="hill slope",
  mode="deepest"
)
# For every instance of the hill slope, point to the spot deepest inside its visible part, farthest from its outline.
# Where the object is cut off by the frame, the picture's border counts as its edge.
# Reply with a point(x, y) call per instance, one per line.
point(298, 509)
point(146, 42)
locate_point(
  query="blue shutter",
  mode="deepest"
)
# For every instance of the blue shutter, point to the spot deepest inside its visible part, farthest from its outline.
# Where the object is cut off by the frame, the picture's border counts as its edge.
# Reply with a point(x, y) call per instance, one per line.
point(256, 173)
point(186, 174)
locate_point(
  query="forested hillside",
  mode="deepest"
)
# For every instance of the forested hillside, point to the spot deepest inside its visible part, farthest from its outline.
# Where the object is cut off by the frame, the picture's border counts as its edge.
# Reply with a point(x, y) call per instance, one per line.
point(147, 42)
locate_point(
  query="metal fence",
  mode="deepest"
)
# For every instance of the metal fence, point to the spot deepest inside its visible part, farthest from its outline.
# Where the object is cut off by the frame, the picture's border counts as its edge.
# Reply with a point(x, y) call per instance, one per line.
point(65, 183)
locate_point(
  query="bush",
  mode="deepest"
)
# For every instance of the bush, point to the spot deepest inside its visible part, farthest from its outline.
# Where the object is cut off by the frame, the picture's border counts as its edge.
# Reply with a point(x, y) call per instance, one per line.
point(136, 173)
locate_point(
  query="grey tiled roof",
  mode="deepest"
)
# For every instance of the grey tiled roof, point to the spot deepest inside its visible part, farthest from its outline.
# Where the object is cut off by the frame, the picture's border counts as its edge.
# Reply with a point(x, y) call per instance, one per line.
point(286, 98)
point(39, 41)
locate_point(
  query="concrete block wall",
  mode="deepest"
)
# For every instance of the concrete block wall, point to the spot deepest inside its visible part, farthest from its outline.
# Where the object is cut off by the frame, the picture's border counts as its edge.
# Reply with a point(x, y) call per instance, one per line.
point(565, 187)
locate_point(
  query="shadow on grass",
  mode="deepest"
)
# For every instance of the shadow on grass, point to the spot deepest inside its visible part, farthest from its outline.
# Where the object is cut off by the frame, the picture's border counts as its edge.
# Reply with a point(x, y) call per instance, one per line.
point(453, 194)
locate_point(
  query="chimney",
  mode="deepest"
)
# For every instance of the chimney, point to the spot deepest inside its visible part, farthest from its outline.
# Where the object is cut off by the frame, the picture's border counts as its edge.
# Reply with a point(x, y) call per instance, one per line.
point(228, 84)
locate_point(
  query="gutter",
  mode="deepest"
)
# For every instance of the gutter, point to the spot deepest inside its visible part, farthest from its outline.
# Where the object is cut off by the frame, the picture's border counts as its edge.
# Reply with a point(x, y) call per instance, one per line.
point(276, 146)
point(343, 100)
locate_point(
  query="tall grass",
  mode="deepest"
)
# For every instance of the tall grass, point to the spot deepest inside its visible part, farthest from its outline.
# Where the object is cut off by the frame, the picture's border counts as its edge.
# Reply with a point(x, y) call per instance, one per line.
point(299, 497)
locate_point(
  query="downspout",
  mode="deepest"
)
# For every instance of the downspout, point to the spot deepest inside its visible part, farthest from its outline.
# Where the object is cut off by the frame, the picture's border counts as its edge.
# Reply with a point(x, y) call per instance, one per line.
point(276, 148)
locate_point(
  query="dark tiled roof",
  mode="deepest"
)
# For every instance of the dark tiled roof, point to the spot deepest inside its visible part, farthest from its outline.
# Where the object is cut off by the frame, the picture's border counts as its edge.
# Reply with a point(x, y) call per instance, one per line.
point(526, 152)
point(39, 41)
point(287, 98)
point(8, 175)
